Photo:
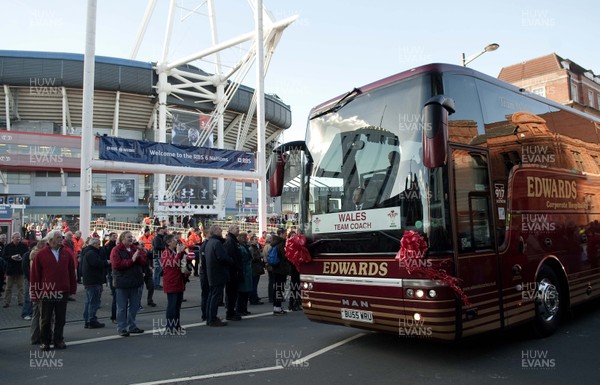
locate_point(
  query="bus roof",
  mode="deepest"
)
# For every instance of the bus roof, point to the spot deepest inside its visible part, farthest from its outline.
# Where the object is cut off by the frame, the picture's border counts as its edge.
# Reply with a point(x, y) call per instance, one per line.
point(444, 67)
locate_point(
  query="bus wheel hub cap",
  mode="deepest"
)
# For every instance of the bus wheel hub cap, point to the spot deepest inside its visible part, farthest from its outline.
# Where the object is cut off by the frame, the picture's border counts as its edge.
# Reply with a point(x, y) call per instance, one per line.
point(547, 300)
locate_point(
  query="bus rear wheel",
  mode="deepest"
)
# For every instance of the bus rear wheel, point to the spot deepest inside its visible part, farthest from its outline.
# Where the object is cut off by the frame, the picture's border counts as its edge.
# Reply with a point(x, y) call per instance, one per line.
point(548, 304)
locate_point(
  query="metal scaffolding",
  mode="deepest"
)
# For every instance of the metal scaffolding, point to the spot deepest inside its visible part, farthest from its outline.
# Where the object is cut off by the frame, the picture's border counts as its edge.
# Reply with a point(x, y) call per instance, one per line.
point(218, 89)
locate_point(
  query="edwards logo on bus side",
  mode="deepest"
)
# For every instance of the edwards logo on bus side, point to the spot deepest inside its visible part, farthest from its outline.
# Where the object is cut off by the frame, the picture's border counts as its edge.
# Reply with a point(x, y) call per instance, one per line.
point(553, 192)
point(369, 220)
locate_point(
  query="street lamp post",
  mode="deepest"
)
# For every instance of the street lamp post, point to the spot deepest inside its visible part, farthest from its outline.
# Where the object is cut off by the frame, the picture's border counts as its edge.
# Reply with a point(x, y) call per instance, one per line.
point(488, 48)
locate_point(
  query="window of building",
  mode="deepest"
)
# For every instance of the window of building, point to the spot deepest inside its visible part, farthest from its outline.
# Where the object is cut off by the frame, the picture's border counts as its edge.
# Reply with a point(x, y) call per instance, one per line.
point(47, 174)
point(73, 193)
point(98, 189)
point(541, 91)
point(574, 92)
point(511, 159)
point(54, 193)
point(578, 160)
point(247, 186)
point(591, 98)
point(40, 193)
point(18, 178)
point(596, 160)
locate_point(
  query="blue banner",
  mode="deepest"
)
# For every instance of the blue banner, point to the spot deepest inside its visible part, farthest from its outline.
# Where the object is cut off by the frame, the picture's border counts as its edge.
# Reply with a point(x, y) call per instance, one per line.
point(139, 151)
point(5, 212)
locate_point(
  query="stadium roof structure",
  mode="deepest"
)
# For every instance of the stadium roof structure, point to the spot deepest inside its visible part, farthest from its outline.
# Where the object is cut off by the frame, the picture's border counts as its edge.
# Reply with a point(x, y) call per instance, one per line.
point(48, 86)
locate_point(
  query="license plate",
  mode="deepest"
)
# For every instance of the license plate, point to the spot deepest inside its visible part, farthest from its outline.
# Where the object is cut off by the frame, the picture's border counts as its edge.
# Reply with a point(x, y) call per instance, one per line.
point(357, 315)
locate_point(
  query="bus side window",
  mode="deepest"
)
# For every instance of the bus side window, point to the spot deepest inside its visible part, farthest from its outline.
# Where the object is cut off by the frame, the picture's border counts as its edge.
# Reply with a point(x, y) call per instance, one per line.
point(473, 207)
point(479, 205)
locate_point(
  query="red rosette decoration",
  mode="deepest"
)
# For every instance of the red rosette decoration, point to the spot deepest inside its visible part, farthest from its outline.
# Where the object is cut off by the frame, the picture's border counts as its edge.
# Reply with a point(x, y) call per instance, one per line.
point(412, 249)
point(296, 251)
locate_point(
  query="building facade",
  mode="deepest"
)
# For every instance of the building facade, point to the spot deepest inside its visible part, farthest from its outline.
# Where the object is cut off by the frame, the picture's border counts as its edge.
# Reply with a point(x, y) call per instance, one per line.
point(558, 79)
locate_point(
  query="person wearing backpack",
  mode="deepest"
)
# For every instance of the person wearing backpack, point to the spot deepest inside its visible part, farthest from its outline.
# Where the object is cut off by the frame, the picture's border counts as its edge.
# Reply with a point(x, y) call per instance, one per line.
point(280, 270)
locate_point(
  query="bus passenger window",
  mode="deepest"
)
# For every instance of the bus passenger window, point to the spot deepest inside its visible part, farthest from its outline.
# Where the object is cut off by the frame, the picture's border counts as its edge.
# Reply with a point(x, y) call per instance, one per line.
point(473, 207)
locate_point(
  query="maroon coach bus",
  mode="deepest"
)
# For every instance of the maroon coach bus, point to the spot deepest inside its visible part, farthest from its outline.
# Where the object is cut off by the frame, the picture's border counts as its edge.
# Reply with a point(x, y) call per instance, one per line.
point(443, 203)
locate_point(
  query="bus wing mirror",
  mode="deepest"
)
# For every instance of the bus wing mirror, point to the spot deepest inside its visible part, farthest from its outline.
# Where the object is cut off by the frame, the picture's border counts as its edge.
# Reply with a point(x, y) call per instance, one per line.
point(435, 130)
point(275, 174)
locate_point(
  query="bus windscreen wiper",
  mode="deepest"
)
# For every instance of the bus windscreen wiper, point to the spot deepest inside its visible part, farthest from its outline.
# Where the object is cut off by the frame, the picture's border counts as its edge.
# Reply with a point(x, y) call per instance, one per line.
point(340, 104)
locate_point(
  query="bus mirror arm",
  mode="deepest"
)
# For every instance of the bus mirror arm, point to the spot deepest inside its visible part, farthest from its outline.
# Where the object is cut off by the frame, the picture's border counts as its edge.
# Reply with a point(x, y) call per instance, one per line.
point(435, 130)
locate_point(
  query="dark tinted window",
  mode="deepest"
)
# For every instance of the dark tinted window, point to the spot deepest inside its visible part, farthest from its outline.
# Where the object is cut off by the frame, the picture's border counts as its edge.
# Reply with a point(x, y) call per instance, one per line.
point(466, 123)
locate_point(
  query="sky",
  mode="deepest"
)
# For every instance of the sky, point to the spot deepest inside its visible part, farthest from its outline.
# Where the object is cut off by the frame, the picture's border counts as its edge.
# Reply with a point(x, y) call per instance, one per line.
point(331, 48)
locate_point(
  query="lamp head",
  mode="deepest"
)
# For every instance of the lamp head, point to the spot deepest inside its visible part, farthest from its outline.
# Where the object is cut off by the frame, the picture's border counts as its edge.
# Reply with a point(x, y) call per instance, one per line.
point(491, 47)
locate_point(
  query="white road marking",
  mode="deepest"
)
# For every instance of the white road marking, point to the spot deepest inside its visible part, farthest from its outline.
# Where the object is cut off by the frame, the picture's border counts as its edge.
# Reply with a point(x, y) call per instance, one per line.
point(149, 332)
point(257, 370)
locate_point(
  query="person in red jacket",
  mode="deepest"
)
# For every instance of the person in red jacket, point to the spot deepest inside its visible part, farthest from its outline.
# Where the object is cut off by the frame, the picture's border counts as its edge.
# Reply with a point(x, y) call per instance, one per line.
point(53, 279)
point(78, 244)
point(172, 260)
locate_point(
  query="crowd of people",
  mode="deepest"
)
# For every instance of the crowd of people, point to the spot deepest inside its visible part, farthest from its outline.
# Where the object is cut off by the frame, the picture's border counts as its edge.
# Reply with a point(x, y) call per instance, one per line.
point(46, 273)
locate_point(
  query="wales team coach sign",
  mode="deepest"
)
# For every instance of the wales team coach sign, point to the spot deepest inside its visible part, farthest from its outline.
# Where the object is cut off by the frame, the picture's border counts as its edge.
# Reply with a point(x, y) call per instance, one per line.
point(139, 151)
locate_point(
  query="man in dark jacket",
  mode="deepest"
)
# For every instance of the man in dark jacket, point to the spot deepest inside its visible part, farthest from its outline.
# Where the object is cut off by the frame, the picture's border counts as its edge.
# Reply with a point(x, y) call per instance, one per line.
point(13, 256)
point(127, 261)
point(232, 247)
point(93, 268)
point(216, 270)
point(204, 286)
point(280, 272)
point(105, 254)
point(158, 246)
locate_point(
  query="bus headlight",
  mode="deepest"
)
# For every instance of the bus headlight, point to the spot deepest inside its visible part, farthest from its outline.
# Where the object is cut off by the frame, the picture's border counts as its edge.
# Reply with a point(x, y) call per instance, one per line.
point(420, 293)
point(410, 293)
point(432, 293)
point(307, 285)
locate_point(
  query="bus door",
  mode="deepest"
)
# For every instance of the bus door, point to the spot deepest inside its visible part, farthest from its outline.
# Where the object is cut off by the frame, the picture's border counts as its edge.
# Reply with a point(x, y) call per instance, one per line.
point(474, 239)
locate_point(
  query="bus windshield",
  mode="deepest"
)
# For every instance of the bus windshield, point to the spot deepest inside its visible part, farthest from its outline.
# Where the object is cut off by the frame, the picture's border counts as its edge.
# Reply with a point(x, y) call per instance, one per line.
point(368, 173)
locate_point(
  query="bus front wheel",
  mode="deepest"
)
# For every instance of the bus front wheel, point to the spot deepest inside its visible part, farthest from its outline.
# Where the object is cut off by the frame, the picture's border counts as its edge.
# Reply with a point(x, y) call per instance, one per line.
point(548, 305)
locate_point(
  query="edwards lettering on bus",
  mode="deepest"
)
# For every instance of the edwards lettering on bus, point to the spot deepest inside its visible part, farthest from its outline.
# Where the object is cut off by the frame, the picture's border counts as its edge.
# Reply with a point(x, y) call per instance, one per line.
point(551, 188)
point(356, 268)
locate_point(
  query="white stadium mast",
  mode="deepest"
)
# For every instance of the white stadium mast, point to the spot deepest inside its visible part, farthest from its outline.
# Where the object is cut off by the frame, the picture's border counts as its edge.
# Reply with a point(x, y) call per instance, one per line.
point(218, 89)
